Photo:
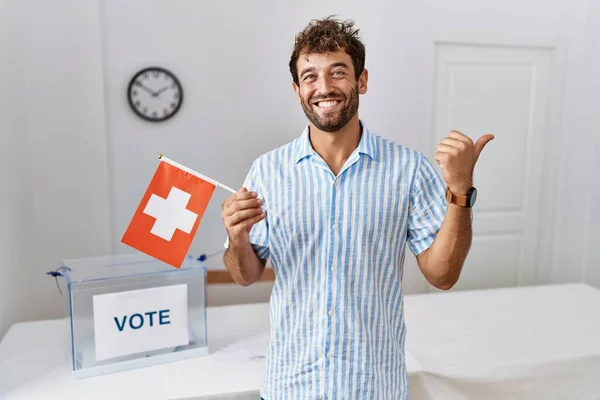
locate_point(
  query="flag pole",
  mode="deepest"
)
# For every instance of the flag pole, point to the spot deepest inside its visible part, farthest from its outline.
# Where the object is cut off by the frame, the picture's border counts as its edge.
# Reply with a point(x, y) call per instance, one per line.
point(206, 178)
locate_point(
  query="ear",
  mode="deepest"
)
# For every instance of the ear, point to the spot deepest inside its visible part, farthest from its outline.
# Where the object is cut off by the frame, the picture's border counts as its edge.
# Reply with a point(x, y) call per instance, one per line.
point(296, 91)
point(362, 81)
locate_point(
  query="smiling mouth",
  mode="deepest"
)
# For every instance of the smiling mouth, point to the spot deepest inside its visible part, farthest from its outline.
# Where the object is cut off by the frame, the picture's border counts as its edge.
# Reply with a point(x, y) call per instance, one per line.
point(327, 104)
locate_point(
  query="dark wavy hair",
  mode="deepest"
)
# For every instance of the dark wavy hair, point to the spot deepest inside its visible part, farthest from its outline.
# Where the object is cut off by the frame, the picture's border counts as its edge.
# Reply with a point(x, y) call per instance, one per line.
point(329, 35)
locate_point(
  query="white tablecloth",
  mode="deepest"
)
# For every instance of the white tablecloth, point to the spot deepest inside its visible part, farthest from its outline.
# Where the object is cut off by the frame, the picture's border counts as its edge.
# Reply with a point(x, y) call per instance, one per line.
point(34, 364)
point(520, 343)
point(517, 343)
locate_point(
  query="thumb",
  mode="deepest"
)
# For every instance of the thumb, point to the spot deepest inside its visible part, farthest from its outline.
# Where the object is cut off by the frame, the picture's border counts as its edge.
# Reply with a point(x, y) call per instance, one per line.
point(481, 142)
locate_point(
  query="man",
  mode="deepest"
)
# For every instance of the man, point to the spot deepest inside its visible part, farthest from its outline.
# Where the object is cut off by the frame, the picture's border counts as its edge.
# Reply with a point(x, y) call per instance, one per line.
point(343, 204)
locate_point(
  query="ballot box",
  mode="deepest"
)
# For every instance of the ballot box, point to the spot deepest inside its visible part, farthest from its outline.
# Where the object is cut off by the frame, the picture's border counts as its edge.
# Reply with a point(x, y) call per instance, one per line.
point(131, 311)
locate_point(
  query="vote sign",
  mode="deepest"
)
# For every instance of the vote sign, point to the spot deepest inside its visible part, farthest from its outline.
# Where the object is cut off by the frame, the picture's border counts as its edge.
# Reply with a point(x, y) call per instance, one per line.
point(141, 320)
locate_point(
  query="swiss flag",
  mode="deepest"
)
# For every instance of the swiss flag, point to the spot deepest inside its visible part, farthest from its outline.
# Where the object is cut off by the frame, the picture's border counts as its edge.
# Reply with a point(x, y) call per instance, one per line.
point(166, 220)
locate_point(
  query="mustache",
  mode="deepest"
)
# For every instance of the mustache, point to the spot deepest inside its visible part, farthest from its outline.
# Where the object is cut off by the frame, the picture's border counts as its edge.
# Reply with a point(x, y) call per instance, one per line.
point(331, 96)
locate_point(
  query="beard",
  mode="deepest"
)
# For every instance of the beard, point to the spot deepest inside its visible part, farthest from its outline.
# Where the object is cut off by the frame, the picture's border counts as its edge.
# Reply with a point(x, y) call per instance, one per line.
point(334, 121)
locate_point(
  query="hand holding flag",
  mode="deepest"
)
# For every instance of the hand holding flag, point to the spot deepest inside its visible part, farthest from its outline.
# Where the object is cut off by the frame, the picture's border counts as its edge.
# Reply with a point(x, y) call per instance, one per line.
point(239, 213)
point(168, 216)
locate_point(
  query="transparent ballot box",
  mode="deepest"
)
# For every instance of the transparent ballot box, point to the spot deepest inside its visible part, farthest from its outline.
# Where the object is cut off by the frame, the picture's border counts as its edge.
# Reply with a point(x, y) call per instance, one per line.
point(131, 311)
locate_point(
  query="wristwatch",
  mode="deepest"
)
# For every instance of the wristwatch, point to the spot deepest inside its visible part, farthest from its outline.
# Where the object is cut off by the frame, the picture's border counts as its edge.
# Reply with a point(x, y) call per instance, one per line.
point(463, 200)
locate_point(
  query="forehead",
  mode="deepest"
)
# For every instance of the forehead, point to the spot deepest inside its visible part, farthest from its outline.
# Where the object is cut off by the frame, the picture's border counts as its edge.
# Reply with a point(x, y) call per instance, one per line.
point(323, 60)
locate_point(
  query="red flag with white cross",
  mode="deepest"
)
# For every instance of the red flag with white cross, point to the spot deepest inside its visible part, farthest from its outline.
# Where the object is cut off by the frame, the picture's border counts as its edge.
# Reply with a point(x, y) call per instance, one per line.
point(168, 216)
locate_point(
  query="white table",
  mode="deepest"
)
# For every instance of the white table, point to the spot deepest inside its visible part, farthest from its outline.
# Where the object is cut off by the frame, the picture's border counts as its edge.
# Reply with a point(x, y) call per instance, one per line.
point(532, 343)
point(520, 343)
point(34, 364)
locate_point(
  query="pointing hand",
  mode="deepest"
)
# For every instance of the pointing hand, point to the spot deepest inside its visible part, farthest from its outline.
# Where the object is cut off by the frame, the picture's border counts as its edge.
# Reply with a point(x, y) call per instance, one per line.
point(457, 155)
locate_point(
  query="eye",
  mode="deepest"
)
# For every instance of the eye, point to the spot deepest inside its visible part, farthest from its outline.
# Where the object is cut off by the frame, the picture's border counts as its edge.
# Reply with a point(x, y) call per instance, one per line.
point(339, 73)
point(307, 77)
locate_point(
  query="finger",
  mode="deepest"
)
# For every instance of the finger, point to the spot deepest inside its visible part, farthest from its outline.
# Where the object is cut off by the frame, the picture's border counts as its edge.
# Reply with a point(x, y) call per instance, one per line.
point(246, 225)
point(444, 148)
point(441, 158)
point(240, 216)
point(454, 143)
point(460, 136)
point(244, 190)
point(243, 195)
point(481, 142)
point(240, 205)
point(254, 220)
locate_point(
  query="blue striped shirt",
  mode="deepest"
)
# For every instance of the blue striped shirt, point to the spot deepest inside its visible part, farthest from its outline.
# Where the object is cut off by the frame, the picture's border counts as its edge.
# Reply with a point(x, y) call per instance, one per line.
point(337, 245)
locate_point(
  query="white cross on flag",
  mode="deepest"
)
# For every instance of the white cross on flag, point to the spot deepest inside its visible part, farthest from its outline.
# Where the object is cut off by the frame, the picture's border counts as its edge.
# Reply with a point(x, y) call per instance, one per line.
point(169, 214)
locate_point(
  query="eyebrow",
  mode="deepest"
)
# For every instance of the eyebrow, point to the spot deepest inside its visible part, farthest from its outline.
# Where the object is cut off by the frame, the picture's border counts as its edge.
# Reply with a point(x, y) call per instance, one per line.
point(336, 64)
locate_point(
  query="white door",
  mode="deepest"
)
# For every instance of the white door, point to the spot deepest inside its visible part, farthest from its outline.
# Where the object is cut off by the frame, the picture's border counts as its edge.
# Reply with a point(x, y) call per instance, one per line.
point(504, 90)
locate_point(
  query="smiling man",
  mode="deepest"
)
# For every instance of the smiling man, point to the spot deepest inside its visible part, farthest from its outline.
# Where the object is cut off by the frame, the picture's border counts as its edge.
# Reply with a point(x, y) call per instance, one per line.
point(345, 202)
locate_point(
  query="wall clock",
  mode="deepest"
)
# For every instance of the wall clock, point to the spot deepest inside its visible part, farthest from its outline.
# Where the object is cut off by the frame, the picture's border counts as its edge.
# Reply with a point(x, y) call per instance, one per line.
point(155, 94)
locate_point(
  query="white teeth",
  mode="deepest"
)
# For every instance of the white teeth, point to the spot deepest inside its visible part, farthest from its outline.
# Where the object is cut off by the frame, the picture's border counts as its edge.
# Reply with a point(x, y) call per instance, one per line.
point(327, 104)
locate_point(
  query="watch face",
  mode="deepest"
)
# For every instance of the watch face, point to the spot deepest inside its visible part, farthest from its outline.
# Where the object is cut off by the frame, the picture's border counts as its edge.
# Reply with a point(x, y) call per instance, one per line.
point(155, 94)
point(472, 197)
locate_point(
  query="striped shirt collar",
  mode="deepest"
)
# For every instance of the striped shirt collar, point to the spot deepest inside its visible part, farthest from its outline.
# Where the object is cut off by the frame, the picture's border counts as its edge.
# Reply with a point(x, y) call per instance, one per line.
point(366, 144)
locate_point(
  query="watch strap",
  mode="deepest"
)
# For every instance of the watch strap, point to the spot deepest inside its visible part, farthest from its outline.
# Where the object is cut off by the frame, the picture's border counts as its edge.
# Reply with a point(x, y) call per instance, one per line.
point(458, 199)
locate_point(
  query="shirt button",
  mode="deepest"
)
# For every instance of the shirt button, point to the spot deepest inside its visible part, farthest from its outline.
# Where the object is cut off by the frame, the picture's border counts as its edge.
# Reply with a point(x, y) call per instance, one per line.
point(330, 313)
point(334, 226)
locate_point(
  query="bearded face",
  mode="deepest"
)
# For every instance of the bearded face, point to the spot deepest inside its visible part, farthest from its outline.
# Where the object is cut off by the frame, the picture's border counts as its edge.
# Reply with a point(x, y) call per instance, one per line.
point(328, 90)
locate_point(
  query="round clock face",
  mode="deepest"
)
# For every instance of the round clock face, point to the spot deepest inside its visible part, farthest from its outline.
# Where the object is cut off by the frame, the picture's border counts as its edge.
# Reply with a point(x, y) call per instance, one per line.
point(155, 94)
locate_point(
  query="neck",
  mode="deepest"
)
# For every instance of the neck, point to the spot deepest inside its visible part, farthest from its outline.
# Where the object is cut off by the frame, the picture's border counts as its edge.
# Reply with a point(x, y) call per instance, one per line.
point(335, 147)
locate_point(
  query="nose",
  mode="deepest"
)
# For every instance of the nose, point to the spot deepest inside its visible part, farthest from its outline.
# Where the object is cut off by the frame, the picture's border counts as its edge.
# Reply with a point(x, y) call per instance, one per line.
point(324, 86)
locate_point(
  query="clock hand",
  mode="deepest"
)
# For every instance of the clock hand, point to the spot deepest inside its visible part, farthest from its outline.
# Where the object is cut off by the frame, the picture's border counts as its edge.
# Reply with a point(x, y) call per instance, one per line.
point(155, 94)
point(147, 89)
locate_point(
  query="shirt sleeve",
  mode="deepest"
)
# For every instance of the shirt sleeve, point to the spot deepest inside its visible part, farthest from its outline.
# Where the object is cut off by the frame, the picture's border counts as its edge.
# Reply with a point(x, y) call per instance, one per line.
point(259, 235)
point(427, 207)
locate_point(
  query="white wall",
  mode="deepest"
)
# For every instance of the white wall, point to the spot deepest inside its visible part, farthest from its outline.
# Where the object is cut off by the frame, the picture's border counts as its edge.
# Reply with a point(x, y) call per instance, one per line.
point(219, 132)
point(73, 134)
point(592, 255)
point(576, 228)
point(13, 164)
point(55, 151)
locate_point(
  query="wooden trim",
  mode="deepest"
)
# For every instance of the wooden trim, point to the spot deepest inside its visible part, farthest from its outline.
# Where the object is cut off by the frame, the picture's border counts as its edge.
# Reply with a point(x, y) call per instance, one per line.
point(221, 276)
